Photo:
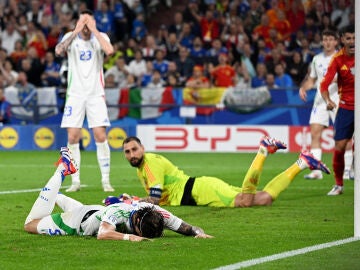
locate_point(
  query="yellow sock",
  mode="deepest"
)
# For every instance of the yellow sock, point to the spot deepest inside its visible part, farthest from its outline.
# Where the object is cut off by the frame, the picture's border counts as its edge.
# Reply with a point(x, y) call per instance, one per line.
point(252, 176)
point(282, 181)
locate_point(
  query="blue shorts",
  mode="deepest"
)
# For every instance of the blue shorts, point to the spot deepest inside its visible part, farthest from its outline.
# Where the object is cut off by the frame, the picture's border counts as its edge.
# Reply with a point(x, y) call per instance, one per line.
point(344, 124)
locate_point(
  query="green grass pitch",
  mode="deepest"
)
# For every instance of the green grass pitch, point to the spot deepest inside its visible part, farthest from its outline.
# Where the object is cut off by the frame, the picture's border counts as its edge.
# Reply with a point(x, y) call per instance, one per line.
point(302, 216)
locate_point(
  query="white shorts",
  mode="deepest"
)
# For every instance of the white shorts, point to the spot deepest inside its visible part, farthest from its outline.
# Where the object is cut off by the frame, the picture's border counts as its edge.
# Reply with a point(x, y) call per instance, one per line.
point(94, 108)
point(67, 223)
point(319, 113)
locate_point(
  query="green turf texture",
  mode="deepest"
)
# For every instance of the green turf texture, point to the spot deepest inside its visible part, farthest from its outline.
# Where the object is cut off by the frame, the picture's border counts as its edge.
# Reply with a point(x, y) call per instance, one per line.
point(302, 216)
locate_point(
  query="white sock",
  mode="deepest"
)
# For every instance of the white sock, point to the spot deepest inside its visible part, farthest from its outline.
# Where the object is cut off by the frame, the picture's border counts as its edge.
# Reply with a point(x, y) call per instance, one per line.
point(103, 157)
point(317, 153)
point(45, 203)
point(348, 158)
point(75, 152)
point(66, 203)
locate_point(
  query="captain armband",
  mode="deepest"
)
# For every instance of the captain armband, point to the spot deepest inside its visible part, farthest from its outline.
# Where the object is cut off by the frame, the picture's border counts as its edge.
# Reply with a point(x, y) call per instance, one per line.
point(155, 192)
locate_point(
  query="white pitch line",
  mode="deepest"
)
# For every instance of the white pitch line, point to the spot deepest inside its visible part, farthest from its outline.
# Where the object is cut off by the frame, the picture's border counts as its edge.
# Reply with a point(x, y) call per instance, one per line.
point(286, 254)
point(30, 190)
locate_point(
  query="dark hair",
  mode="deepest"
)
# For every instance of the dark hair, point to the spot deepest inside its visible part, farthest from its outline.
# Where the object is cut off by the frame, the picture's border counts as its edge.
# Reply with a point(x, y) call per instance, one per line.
point(347, 29)
point(87, 11)
point(330, 33)
point(130, 139)
point(150, 222)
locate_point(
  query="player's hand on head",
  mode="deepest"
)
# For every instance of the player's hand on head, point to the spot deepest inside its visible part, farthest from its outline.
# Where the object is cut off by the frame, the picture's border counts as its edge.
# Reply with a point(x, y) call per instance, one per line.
point(91, 24)
point(80, 24)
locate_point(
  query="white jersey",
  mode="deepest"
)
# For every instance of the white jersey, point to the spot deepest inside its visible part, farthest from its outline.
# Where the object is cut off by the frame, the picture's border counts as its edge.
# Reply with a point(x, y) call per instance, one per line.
point(85, 66)
point(318, 68)
point(119, 215)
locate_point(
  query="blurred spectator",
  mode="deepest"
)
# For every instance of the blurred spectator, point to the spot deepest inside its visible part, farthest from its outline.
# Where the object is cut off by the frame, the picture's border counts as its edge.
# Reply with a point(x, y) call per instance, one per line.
point(253, 16)
point(35, 13)
point(160, 63)
point(188, 15)
point(223, 75)
point(35, 38)
point(137, 67)
point(186, 37)
point(156, 80)
point(246, 60)
point(27, 92)
point(263, 30)
point(296, 68)
point(273, 59)
point(162, 36)
point(149, 48)
point(295, 14)
point(198, 52)
point(270, 81)
point(316, 44)
point(53, 36)
point(173, 76)
point(326, 24)
point(110, 60)
point(51, 74)
point(341, 13)
point(32, 66)
point(209, 26)
point(309, 28)
point(305, 50)
point(282, 79)
point(21, 25)
point(184, 64)
point(260, 51)
point(104, 18)
point(116, 76)
point(282, 25)
point(5, 109)
point(317, 11)
point(260, 78)
point(8, 73)
point(177, 25)
point(139, 30)
point(233, 34)
point(216, 49)
point(9, 37)
point(242, 77)
point(198, 79)
point(131, 48)
point(172, 47)
point(120, 20)
point(146, 77)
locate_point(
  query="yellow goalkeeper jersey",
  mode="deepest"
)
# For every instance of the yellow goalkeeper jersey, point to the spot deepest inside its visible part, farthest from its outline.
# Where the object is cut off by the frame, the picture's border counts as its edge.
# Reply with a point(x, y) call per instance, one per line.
point(162, 179)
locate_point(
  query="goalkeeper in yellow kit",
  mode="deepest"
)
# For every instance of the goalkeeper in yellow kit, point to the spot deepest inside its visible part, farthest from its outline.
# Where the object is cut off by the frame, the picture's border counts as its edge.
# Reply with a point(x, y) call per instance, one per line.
point(168, 185)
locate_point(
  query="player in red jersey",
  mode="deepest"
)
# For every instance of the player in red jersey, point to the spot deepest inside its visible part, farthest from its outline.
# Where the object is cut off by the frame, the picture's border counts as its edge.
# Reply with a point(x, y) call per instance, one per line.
point(342, 64)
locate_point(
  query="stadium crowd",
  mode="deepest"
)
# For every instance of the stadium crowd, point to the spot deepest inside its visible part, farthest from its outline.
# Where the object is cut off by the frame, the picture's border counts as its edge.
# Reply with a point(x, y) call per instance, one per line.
point(224, 42)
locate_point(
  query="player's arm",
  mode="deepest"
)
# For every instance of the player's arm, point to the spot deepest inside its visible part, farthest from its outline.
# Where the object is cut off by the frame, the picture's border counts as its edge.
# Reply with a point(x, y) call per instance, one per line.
point(308, 84)
point(107, 232)
point(177, 225)
point(325, 83)
point(61, 48)
point(104, 43)
point(189, 230)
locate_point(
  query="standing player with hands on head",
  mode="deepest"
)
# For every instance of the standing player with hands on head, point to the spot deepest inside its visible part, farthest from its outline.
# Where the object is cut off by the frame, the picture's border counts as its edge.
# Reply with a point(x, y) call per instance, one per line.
point(85, 47)
point(342, 64)
point(320, 115)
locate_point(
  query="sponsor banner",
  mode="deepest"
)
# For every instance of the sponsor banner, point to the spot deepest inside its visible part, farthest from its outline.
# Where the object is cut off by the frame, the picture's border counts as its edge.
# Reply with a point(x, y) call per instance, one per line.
point(207, 138)
point(37, 137)
point(300, 139)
